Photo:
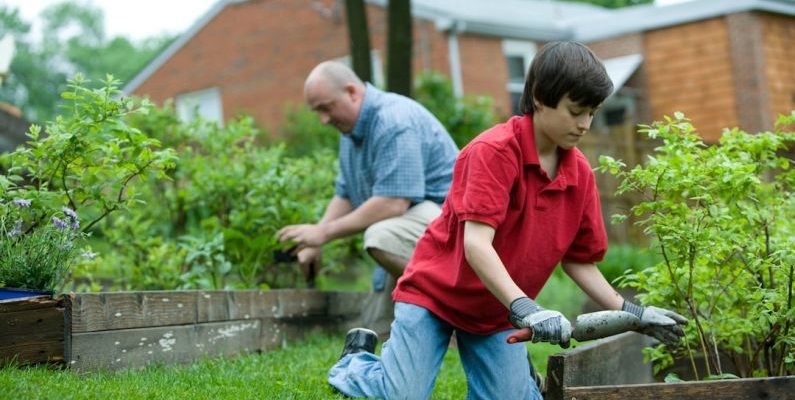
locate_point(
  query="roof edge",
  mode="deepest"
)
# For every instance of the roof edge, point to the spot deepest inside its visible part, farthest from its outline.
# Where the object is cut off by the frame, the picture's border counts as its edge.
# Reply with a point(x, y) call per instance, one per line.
point(172, 49)
point(666, 16)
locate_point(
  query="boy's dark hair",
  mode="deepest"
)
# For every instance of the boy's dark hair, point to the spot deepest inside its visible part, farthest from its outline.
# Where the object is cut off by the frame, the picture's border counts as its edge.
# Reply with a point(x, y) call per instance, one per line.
point(562, 68)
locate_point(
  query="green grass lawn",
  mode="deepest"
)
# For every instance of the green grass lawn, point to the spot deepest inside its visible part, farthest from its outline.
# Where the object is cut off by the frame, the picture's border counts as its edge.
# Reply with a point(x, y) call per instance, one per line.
point(295, 372)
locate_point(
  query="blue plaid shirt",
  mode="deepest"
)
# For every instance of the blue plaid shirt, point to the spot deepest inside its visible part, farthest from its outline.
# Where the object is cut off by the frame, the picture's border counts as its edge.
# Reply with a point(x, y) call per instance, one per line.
point(397, 148)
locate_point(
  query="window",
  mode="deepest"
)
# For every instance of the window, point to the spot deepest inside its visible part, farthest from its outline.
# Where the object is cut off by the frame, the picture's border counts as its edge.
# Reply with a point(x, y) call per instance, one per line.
point(518, 55)
point(205, 104)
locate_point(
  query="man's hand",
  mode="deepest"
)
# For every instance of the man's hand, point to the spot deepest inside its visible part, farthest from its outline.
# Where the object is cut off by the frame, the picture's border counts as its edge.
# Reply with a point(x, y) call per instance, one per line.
point(308, 256)
point(544, 325)
point(659, 323)
point(304, 235)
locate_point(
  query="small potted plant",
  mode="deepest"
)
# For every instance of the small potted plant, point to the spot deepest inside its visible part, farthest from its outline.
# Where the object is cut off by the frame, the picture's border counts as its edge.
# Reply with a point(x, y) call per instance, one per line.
point(37, 248)
point(84, 161)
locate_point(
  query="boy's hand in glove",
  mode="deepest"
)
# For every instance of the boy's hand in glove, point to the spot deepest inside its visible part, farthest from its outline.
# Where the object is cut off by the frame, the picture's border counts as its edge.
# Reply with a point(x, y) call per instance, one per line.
point(659, 323)
point(544, 325)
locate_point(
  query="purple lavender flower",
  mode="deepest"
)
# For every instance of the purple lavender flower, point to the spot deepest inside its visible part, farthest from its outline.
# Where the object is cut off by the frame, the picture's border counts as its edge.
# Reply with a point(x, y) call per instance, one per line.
point(16, 230)
point(72, 216)
point(70, 213)
point(59, 223)
point(21, 203)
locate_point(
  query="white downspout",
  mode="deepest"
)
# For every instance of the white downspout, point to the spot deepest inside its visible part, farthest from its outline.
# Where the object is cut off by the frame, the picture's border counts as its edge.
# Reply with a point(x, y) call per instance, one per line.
point(455, 63)
point(453, 28)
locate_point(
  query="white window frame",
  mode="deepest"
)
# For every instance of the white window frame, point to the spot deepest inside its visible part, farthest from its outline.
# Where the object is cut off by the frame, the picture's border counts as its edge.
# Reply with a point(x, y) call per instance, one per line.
point(518, 48)
point(204, 103)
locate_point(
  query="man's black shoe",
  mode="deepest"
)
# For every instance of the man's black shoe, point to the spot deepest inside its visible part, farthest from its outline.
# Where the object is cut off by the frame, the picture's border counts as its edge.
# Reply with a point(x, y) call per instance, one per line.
point(358, 340)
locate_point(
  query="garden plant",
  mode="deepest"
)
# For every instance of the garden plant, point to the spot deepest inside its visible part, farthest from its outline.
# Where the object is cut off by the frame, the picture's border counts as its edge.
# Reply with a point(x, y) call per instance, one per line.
point(68, 178)
point(722, 217)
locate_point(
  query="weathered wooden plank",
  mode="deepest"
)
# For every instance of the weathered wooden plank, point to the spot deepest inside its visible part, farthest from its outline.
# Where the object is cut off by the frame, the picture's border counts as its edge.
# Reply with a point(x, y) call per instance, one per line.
point(345, 304)
point(222, 305)
point(301, 303)
point(731, 389)
point(139, 347)
point(124, 310)
point(29, 303)
point(35, 334)
point(615, 360)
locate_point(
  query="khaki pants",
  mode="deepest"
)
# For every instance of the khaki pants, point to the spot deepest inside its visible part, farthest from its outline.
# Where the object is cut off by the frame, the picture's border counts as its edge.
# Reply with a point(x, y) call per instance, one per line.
point(398, 236)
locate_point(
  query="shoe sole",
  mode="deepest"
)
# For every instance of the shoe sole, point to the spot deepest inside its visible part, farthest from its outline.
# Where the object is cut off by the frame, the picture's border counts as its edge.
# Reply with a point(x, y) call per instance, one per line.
point(365, 330)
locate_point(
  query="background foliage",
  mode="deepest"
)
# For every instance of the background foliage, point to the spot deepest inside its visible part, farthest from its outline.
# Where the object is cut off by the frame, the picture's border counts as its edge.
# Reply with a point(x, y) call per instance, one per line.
point(723, 217)
point(73, 41)
point(211, 225)
point(84, 163)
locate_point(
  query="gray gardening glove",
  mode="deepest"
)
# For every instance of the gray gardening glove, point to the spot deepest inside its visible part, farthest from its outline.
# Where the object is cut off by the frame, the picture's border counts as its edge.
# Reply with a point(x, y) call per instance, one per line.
point(547, 325)
point(659, 323)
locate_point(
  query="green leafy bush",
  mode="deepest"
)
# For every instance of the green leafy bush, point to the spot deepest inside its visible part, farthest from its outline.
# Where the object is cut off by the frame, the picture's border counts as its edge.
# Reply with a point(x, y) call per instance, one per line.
point(85, 162)
point(723, 217)
point(213, 224)
point(625, 259)
point(303, 134)
point(464, 117)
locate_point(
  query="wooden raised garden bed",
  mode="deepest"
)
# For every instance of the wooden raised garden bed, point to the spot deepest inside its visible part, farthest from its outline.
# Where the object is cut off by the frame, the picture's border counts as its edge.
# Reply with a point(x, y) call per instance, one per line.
point(132, 329)
point(613, 368)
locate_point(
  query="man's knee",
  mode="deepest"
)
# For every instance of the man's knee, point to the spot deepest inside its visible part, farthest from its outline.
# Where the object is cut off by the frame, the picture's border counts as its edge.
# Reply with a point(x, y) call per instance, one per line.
point(380, 231)
point(387, 236)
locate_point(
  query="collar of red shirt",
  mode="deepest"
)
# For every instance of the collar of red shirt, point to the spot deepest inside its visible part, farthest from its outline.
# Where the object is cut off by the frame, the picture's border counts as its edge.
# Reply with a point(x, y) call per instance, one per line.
point(567, 171)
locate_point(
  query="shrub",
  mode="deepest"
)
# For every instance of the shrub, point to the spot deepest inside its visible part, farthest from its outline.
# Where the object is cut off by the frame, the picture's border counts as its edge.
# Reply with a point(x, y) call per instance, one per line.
point(464, 117)
point(624, 259)
point(84, 162)
point(212, 224)
point(723, 218)
point(303, 134)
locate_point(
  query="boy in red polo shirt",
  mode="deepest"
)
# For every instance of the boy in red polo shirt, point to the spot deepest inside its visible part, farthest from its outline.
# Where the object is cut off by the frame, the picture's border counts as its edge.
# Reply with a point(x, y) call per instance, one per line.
point(523, 199)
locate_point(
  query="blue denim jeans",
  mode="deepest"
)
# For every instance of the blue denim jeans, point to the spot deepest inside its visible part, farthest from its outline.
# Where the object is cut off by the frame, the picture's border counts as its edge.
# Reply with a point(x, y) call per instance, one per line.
point(411, 358)
point(379, 278)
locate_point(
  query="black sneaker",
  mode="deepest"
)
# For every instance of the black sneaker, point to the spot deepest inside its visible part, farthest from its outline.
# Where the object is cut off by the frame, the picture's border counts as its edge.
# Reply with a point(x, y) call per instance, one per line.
point(358, 340)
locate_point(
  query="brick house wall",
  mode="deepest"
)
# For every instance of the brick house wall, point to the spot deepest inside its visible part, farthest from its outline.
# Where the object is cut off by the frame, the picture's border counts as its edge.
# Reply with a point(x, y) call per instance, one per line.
point(689, 69)
point(258, 54)
point(748, 61)
point(728, 71)
point(484, 70)
point(778, 33)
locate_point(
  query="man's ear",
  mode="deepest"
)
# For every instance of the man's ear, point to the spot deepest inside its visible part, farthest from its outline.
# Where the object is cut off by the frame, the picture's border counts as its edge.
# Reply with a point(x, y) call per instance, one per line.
point(354, 92)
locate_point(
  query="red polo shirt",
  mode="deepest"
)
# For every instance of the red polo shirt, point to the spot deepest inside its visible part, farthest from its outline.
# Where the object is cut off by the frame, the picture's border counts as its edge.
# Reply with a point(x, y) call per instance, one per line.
point(538, 222)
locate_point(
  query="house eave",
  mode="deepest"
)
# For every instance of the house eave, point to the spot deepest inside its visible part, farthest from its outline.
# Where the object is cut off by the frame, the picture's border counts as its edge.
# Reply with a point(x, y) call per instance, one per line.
point(172, 49)
point(643, 18)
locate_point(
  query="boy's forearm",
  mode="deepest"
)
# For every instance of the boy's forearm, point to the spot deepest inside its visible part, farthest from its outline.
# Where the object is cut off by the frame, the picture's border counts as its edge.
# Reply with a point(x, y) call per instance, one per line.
point(483, 259)
point(588, 277)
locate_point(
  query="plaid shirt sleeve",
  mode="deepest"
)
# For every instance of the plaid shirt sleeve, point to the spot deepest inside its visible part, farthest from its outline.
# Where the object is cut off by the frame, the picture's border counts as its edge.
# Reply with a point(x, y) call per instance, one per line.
point(399, 167)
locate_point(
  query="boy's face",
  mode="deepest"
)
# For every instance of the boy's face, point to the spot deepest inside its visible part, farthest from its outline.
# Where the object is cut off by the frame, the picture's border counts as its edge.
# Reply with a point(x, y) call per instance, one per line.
point(565, 124)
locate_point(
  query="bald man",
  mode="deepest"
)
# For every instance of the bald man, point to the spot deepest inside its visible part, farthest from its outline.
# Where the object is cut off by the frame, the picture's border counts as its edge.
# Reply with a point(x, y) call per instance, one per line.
point(396, 163)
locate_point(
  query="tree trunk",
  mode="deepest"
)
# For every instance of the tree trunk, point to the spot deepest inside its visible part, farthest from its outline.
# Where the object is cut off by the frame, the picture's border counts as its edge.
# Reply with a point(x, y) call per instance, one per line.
point(399, 47)
point(359, 39)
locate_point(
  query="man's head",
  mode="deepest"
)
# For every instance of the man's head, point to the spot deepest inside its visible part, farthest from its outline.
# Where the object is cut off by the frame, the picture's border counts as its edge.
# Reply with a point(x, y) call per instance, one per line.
point(336, 94)
point(565, 69)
